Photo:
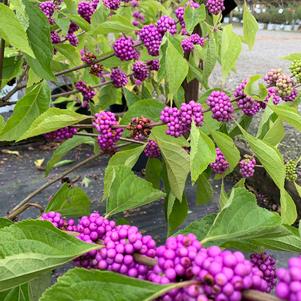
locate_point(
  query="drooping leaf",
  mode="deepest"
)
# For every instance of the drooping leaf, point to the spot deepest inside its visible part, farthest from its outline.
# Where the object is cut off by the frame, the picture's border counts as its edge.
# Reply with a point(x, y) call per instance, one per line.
point(242, 218)
point(27, 109)
point(38, 33)
point(125, 190)
point(275, 134)
point(93, 285)
point(223, 197)
point(11, 68)
point(193, 16)
point(204, 191)
point(12, 31)
point(52, 120)
point(177, 165)
point(210, 59)
point(70, 201)
point(32, 247)
point(153, 171)
point(230, 50)
point(202, 152)
point(108, 95)
point(250, 27)
point(66, 147)
point(256, 89)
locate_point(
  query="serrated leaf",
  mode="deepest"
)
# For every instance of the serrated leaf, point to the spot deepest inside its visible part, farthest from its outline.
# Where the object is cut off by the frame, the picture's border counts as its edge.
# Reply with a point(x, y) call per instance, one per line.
point(210, 59)
point(204, 191)
point(250, 27)
point(32, 247)
point(177, 165)
point(228, 148)
point(127, 191)
point(70, 201)
point(38, 33)
point(52, 120)
point(202, 152)
point(230, 50)
point(223, 197)
point(4, 222)
point(193, 16)
point(12, 66)
point(175, 73)
point(12, 31)
point(254, 221)
point(81, 284)
point(117, 24)
point(70, 53)
point(26, 111)
point(66, 147)
point(107, 96)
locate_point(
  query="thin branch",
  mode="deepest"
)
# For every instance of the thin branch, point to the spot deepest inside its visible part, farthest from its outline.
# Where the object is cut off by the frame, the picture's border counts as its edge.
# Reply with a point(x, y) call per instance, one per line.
point(2, 50)
point(12, 216)
point(253, 295)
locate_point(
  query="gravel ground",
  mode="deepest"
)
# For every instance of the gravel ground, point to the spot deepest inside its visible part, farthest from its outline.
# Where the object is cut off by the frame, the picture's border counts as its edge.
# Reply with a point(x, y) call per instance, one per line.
point(19, 176)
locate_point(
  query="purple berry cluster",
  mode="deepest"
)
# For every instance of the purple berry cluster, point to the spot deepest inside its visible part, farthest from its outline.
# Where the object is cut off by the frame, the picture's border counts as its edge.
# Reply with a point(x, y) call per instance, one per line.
point(267, 265)
point(55, 38)
point(61, 134)
point(189, 42)
point(87, 92)
point(179, 121)
point(112, 4)
point(292, 96)
point(272, 76)
point(140, 71)
point(273, 95)
point(53, 217)
point(166, 24)
point(119, 78)
point(180, 11)
point(220, 105)
point(87, 56)
point(48, 9)
point(125, 50)
point(215, 6)
point(72, 38)
point(120, 246)
point(247, 104)
point(154, 65)
point(104, 123)
point(85, 9)
point(152, 149)
point(289, 285)
point(247, 167)
point(225, 274)
point(96, 69)
point(151, 38)
point(220, 165)
point(138, 18)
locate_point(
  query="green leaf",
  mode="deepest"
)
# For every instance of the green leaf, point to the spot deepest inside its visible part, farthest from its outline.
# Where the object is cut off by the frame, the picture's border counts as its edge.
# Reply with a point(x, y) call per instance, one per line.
point(255, 89)
point(2, 123)
point(32, 247)
point(127, 191)
point(228, 148)
point(202, 152)
point(130, 97)
point(66, 147)
point(81, 284)
point(81, 22)
point(176, 212)
point(70, 201)
point(12, 66)
point(230, 50)
point(52, 120)
point(109, 95)
point(12, 31)
point(70, 53)
point(177, 165)
point(250, 27)
point(204, 191)
point(116, 24)
point(210, 59)
point(149, 108)
point(298, 188)
point(200, 227)
point(39, 285)
point(26, 111)
point(193, 16)
point(159, 132)
point(4, 222)
point(175, 73)
point(288, 114)
point(19, 293)
point(38, 34)
point(223, 198)
point(153, 171)
point(292, 57)
point(242, 218)
point(275, 134)
point(272, 161)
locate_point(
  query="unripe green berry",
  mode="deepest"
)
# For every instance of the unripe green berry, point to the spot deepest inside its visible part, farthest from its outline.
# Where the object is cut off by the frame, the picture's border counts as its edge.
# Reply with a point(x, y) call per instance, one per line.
point(295, 69)
point(291, 171)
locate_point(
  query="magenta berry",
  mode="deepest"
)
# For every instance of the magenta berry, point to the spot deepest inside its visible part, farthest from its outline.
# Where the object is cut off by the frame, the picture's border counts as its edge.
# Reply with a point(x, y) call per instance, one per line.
point(85, 10)
point(187, 45)
point(247, 104)
point(112, 4)
point(220, 105)
point(220, 165)
point(171, 117)
point(154, 65)
point(53, 217)
point(152, 149)
point(48, 8)
point(72, 38)
point(191, 111)
point(87, 56)
point(247, 167)
point(119, 78)
point(272, 76)
point(73, 28)
point(189, 42)
point(104, 123)
point(166, 24)
point(292, 96)
point(267, 265)
point(87, 92)
point(61, 134)
point(215, 6)
point(140, 71)
point(151, 38)
point(289, 285)
point(125, 50)
point(55, 38)
point(273, 95)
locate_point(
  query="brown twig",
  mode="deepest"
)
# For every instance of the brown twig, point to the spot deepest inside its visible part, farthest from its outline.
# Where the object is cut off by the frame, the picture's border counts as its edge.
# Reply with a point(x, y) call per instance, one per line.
point(12, 216)
point(253, 295)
